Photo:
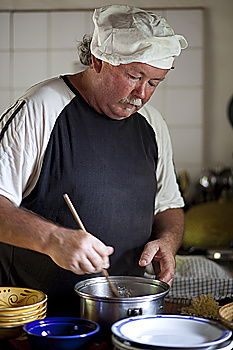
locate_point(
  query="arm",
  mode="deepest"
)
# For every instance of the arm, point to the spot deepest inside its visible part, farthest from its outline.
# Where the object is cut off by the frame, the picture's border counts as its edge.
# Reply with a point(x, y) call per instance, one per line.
point(167, 230)
point(167, 234)
point(74, 250)
point(23, 144)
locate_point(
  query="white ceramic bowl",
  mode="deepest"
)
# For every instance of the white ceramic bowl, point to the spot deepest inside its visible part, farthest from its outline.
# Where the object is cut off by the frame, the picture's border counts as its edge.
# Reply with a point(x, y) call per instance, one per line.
point(171, 331)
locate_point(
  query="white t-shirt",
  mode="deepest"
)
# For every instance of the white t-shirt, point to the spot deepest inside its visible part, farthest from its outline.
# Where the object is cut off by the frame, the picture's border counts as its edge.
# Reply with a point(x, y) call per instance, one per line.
point(24, 135)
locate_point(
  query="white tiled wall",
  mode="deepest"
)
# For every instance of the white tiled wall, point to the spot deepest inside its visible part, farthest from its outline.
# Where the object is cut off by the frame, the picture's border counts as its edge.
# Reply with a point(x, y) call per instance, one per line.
point(28, 67)
point(5, 31)
point(68, 27)
point(5, 69)
point(180, 97)
point(30, 31)
point(37, 45)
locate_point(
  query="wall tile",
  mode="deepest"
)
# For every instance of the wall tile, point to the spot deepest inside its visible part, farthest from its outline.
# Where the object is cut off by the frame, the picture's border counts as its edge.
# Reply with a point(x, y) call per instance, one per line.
point(4, 30)
point(188, 69)
point(29, 68)
point(159, 12)
point(184, 106)
point(61, 62)
point(5, 69)
point(69, 27)
point(4, 100)
point(30, 30)
point(17, 93)
point(158, 100)
point(187, 144)
point(188, 23)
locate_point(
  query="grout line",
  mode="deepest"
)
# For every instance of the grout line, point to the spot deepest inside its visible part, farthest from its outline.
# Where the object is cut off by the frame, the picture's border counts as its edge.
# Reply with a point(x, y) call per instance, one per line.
point(48, 58)
point(11, 58)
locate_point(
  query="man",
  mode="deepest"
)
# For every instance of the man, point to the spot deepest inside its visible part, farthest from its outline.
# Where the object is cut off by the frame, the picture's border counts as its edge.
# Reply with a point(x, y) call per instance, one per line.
point(85, 135)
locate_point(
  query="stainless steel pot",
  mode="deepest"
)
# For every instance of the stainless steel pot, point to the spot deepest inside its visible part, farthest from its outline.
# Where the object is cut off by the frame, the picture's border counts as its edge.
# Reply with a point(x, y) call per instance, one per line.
point(98, 304)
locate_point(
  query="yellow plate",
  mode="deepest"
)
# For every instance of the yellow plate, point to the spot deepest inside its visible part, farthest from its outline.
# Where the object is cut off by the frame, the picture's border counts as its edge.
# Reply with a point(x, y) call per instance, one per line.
point(22, 321)
point(14, 316)
point(15, 300)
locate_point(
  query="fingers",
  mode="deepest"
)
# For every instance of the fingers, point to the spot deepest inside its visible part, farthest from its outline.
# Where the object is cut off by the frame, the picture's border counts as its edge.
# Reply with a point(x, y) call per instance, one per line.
point(79, 251)
point(110, 250)
point(148, 254)
point(162, 260)
point(101, 249)
point(99, 256)
point(82, 266)
point(166, 270)
point(98, 261)
point(94, 258)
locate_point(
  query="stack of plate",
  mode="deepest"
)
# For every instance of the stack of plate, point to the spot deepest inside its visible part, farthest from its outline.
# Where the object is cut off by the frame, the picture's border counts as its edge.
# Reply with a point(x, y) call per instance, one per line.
point(19, 306)
point(173, 332)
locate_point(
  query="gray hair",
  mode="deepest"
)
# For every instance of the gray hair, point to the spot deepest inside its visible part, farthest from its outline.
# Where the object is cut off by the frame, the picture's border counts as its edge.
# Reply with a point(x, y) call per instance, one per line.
point(84, 50)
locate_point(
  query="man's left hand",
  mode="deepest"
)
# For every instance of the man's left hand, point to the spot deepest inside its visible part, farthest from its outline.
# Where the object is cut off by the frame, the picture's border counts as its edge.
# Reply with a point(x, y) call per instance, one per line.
point(158, 253)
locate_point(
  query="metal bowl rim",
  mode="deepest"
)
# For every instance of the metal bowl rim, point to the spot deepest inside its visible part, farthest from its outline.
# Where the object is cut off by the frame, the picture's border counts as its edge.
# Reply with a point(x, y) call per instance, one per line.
point(94, 280)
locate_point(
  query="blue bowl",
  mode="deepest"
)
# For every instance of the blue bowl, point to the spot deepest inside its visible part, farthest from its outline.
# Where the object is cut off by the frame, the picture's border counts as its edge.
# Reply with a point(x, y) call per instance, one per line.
point(61, 333)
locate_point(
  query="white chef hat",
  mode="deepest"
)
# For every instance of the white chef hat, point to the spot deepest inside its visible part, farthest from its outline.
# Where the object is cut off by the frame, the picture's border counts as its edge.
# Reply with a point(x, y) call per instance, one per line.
point(125, 34)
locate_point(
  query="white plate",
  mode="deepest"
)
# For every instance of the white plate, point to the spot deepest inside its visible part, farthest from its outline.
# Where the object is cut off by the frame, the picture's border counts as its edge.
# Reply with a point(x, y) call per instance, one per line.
point(227, 345)
point(174, 331)
point(126, 345)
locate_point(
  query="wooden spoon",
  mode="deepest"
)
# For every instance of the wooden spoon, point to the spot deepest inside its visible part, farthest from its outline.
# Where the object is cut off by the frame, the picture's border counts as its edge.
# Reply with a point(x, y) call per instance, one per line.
point(79, 222)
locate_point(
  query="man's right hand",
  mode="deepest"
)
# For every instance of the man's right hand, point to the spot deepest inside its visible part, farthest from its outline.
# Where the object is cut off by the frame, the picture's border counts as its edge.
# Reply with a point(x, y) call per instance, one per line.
point(74, 250)
point(78, 251)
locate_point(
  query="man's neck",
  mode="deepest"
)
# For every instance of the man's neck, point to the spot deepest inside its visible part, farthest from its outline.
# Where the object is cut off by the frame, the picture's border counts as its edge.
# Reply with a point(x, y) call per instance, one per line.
point(84, 82)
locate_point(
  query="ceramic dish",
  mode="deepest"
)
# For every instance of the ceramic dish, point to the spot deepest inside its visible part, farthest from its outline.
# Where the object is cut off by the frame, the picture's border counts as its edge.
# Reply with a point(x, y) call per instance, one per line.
point(126, 345)
point(227, 345)
point(173, 331)
point(16, 300)
point(61, 333)
point(23, 320)
point(14, 316)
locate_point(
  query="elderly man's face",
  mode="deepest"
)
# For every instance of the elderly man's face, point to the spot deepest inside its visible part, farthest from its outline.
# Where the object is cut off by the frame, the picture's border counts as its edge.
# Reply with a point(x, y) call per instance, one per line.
point(124, 89)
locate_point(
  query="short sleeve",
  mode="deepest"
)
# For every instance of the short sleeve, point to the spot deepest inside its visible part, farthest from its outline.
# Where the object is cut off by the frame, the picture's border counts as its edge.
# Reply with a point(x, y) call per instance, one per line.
point(168, 194)
point(17, 151)
point(25, 130)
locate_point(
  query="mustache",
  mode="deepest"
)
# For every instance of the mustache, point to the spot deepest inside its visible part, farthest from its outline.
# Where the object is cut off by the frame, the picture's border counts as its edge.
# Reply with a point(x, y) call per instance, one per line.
point(133, 101)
